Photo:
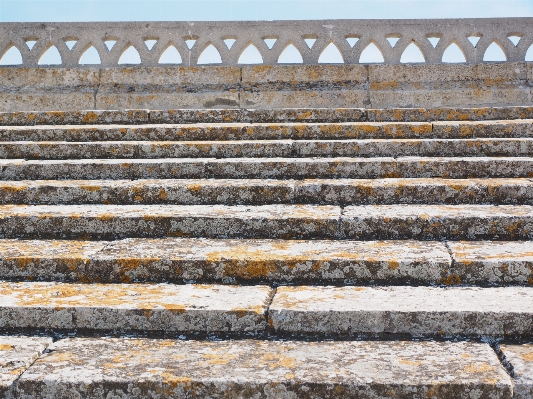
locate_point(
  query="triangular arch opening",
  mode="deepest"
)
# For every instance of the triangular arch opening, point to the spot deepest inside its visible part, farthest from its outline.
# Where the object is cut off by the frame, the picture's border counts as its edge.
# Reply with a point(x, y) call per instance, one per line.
point(371, 55)
point(331, 55)
point(11, 57)
point(170, 56)
point(494, 53)
point(453, 54)
point(250, 55)
point(90, 57)
point(290, 55)
point(51, 57)
point(130, 56)
point(412, 54)
point(210, 55)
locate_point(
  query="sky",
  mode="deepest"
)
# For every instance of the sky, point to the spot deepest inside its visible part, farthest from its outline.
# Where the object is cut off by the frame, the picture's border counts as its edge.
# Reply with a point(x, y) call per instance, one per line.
point(224, 10)
point(230, 10)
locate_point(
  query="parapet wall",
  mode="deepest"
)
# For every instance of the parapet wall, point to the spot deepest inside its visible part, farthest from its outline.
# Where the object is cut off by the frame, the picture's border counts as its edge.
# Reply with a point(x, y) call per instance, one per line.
point(110, 85)
point(268, 87)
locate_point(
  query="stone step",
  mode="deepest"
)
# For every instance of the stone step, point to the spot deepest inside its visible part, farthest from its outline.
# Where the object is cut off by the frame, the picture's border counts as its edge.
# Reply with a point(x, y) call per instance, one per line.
point(122, 308)
point(264, 168)
point(331, 115)
point(455, 222)
point(273, 262)
point(142, 368)
point(270, 131)
point(413, 311)
point(17, 354)
point(514, 147)
point(424, 222)
point(519, 361)
point(265, 191)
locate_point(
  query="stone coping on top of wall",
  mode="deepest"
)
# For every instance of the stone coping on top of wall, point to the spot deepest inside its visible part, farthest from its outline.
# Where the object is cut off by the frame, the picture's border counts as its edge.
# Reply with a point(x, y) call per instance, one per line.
point(270, 38)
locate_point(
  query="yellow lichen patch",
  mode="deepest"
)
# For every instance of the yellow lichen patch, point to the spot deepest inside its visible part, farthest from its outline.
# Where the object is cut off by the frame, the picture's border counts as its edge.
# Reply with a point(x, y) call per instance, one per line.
point(90, 117)
point(528, 357)
point(304, 115)
point(452, 279)
point(8, 189)
point(194, 187)
point(174, 307)
point(393, 264)
point(215, 358)
point(90, 188)
point(409, 362)
point(478, 368)
point(162, 194)
point(105, 217)
point(384, 85)
point(175, 381)
point(6, 347)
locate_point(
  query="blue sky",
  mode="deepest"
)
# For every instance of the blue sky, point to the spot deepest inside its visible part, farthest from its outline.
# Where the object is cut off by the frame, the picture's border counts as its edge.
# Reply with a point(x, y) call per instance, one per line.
point(205, 10)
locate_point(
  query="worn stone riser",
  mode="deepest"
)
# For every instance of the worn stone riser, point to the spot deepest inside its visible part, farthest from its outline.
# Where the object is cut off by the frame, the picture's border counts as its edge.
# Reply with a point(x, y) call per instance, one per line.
point(425, 222)
point(265, 168)
point(271, 262)
point(266, 369)
point(266, 148)
point(305, 310)
point(264, 192)
point(272, 131)
point(283, 115)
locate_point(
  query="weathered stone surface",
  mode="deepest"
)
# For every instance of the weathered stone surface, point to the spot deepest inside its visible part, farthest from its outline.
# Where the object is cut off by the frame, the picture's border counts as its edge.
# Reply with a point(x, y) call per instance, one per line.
point(493, 262)
point(57, 260)
point(454, 113)
point(81, 117)
point(134, 307)
point(267, 191)
point(248, 115)
point(173, 149)
point(319, 86)
point(408, 191)
point(519, 358)
point(227, 261)
point(269, 168)
point(168, 87)
point(218, 131)
point(16, 355)
point(166, 191)
point(19, 169)
point(471, 129)
point(353, 311)
point(99, 368)
point(507, 115)
point(216, 221)
point(434, 86)
point(455, 222)
point(47, 89)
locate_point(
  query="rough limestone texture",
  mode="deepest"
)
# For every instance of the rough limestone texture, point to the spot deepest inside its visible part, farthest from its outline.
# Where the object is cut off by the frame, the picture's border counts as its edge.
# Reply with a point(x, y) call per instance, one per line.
point(519, 359)
point(181, 260)
point(493, 262)
point(502, 116)
point(269, 191)
point(269, 168)
point(353, 311)
point(121, 221)
point(263, 86)
point(16, 355)
point(103, 368)
point(457, 222)
point(135, 307)
point(498, 147)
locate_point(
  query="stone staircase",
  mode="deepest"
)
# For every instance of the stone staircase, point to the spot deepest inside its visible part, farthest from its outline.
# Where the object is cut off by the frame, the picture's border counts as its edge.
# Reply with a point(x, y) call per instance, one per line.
point(289, 253)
